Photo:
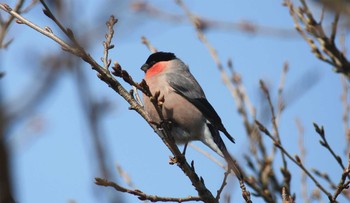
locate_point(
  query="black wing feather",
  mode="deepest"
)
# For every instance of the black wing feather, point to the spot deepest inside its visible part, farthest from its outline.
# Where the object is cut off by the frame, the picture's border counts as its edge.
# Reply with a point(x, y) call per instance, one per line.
point(196, 96)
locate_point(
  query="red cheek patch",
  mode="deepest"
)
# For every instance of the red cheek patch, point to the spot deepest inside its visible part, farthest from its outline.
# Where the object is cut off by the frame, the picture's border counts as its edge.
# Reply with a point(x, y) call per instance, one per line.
point(156, 69)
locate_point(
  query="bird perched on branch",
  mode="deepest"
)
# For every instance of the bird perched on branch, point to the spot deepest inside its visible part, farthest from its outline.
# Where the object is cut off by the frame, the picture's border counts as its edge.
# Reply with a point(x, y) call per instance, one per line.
point(184, 103)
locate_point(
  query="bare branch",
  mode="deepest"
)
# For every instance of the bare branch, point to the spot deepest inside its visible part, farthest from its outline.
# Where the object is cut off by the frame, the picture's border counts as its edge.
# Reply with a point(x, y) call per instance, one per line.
point(145, 41)
point(302, 149)
point(324, 143)
point(143, 196)
point(223, 184)
point(107, 45)
point(285, 171)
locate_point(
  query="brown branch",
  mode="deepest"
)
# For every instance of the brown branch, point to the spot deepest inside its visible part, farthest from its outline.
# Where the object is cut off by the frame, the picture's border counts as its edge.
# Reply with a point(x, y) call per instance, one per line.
point(145, 41)
point(346, 111)
point(280, 101)
point(67, 31)
point(223, 184)
point(286, 198)
point(284, 170)
point(326, 177)
point(343, 184)
point(143, 196)
point(107, 45)
point(302, 149)
point(320, 131)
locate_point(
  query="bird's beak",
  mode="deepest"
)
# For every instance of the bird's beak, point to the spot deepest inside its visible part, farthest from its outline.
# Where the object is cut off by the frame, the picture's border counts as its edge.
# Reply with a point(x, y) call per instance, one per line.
point(145, 67)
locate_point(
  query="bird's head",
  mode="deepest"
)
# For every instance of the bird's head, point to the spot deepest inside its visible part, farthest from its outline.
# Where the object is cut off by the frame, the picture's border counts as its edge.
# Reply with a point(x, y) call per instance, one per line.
point(156, 62)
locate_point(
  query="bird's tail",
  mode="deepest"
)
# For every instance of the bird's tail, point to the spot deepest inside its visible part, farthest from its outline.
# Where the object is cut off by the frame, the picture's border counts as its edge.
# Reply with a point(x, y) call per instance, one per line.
point(222, 151)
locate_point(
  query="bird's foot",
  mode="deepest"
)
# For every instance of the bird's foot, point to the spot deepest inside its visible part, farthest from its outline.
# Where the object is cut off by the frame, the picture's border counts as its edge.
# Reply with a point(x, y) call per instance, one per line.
point(176, 160)
point(172, 160)
point(166, 124)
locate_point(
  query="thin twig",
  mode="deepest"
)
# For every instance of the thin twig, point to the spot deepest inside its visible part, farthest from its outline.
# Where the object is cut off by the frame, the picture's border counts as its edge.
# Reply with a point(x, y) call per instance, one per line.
point(280, 101)
point(125, 176)
point(285, 171)
point(68, 32)
point(107, 45)
point(343, 184)
point(145, 41)
point(143, 196)
point(320, 131)
point(4, 25)
point(302, 149)
point(334, 27)
point(326, 177)
point(346, 111)
point(223, 184)
point(208, 155)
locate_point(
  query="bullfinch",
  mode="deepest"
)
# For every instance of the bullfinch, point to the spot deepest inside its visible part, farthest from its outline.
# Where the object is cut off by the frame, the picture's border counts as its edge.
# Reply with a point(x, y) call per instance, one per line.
point(184, 105)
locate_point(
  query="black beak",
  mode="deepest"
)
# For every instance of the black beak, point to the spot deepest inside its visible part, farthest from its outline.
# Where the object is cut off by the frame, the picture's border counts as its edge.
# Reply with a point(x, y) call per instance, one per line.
point(145, 67)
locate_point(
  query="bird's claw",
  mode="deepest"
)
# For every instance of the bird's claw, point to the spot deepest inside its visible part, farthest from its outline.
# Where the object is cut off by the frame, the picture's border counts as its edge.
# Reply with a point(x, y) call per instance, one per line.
point(166, 124)
point(172, 160)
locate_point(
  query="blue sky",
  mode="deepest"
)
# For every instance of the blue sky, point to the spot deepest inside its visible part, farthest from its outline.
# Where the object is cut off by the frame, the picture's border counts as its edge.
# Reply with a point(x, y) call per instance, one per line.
point(55, 163)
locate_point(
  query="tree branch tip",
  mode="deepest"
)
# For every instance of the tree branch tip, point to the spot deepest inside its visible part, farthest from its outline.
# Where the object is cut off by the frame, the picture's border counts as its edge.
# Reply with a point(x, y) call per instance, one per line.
point(323, 143)
point(192, 166)
point(47, 28)
point(112, 20)
point(319, 130)
point(202, 180)
point(48, 13)
point(19, 21)
point(111, 46)
point(297, 158)
point(70, 33)
point(100, 181)
point(5, 7)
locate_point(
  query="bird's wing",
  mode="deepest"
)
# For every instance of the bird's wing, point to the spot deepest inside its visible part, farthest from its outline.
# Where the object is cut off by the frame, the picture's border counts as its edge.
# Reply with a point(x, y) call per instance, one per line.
point(187, 86)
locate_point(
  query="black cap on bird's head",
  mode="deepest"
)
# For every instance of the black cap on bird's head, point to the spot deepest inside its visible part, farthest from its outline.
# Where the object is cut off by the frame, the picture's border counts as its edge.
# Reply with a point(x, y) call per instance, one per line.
point(157, 57)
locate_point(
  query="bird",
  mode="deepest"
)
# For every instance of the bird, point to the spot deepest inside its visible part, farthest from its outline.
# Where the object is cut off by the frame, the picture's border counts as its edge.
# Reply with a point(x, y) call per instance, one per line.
point(184, 103)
